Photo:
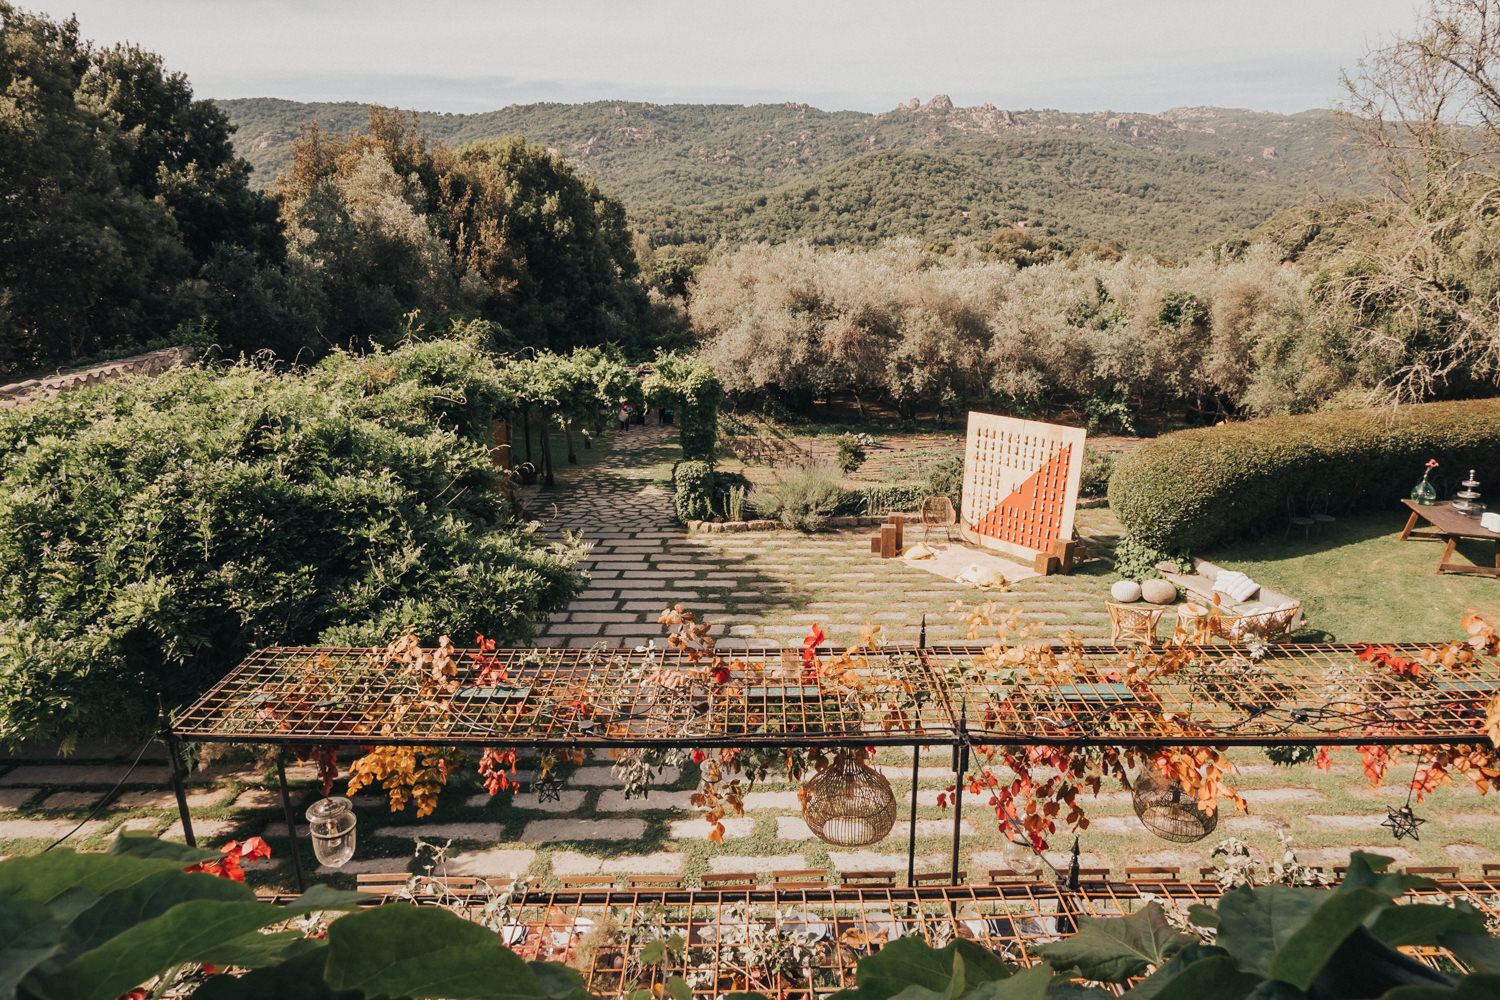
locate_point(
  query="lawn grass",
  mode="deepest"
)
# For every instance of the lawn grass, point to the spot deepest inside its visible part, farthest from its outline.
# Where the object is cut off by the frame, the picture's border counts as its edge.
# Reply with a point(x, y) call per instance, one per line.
point(1359, 582)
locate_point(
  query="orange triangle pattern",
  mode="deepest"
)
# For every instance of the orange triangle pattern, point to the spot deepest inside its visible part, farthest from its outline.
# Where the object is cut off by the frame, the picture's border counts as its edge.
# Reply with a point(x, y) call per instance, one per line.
point(1031, 516)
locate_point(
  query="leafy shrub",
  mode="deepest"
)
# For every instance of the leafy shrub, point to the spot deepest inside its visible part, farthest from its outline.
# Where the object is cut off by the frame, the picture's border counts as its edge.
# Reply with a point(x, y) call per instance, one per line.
point(849, 453)
point(1097, 466)
point(803, 501)
point(727, 486)
point(153, 532)
point(876, 501)
point(1135, 560)
point(945, 478)
point(694, 486)
point(1193, 488)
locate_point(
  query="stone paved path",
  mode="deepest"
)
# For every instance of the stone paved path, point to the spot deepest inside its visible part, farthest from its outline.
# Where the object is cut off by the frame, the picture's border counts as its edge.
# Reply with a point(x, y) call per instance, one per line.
point(759, 588)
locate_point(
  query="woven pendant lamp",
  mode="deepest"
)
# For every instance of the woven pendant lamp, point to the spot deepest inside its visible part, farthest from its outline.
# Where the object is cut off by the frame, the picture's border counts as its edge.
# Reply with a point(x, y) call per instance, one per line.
point(849, 803)
point(1163, 809)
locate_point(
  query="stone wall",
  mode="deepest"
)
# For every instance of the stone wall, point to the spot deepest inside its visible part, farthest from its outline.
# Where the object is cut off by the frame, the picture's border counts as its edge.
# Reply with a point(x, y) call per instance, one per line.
point(32, 390)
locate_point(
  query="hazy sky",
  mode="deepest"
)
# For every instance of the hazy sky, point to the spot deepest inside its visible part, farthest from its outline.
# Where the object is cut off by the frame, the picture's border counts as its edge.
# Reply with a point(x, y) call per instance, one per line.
point(475, 55)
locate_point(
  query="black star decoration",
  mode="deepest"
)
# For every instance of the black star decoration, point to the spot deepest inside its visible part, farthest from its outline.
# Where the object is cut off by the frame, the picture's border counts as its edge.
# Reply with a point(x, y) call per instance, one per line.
point(548, 789)
point(1402, 822)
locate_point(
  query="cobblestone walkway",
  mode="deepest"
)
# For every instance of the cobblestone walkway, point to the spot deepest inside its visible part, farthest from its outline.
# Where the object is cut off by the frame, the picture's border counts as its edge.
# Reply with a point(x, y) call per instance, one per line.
point(759, 588)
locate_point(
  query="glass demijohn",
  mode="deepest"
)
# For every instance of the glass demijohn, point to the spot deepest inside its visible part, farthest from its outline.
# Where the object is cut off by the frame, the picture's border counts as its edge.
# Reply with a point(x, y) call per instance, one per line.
point(331, 823)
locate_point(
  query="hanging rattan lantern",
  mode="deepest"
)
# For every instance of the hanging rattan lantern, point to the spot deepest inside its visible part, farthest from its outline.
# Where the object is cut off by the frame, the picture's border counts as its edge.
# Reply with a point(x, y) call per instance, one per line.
point(849, 803)
point(1167, 812)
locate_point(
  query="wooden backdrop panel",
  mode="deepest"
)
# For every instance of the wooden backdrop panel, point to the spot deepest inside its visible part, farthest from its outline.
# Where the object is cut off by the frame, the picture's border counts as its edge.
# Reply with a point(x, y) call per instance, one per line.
point(1020, 483)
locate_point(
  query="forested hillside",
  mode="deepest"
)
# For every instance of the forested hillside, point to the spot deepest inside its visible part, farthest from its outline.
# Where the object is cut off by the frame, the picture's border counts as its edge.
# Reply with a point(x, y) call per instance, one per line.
point(1165, 183)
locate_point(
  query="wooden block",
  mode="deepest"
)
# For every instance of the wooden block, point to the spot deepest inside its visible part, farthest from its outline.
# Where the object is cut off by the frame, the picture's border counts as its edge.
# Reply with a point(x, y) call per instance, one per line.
point(875, 543)
point(1066, 553)
point(890, 541)
point(1045, 564)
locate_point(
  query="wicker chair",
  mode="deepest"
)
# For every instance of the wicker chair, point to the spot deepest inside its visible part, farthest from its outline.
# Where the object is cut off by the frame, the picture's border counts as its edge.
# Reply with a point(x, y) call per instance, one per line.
point(1275, 623)
point(938, 512)
point(1132, 624)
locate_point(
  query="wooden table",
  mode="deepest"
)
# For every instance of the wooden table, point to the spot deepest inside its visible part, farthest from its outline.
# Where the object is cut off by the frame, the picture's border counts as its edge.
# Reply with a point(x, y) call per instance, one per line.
point(1451, 525)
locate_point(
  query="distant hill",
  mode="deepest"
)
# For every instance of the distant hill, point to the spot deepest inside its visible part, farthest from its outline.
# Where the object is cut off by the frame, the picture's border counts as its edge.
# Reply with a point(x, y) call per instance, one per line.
point(1166, 183)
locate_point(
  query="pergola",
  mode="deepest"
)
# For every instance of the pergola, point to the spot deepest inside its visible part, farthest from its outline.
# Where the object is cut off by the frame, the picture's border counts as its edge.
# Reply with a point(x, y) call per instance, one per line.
point(913, 695)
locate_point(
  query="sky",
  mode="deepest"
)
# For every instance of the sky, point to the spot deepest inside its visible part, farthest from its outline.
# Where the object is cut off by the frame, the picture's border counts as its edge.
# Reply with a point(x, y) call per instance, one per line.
point(478, 55)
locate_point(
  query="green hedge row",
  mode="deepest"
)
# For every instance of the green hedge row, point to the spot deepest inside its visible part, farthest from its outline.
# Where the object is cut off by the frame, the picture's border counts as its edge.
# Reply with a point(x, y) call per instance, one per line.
point(888, 499)
point(1193, 488)
point(693, 491)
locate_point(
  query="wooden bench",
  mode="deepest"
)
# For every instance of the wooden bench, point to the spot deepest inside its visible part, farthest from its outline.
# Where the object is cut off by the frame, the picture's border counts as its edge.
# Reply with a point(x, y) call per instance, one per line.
point(729, 881)
point(588, 881)
point(999, 876)
point(874, 877)
point(389, 883)
point(799, 878)
point(1434, 871)
point(939, 878)
point(1152, 873)
point(654, 881)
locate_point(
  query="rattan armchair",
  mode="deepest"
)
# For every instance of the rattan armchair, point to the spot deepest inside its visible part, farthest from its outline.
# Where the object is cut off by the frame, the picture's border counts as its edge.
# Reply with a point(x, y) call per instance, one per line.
point(1132, 624)
point(938, 512)
point(1274, 623)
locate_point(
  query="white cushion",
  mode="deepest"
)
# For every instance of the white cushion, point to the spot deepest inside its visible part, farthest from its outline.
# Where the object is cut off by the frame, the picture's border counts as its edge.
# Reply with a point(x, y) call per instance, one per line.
point(1237, 586)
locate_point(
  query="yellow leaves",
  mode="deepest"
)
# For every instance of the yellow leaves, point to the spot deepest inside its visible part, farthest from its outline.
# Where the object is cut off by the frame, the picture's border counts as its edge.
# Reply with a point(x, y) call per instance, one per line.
point(407, 774)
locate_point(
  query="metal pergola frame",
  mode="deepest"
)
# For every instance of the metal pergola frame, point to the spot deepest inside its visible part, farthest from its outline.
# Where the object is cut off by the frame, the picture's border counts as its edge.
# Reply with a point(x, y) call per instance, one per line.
point(910, 695)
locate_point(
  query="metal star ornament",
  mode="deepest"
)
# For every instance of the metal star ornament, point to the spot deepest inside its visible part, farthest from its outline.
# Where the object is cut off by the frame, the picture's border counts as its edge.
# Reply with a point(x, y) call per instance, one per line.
point(1402, 822)
point(548, 789)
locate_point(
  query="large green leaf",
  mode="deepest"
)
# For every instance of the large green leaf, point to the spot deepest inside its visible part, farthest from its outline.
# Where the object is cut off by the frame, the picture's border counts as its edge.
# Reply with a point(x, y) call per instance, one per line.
point(907, 961)
point(558, 981)
point(297, 978)
point(1028, 984)
point(199, 930)
point(1424, 923)
point(1164, 974)
point(1255, 923)
point(1214, 976)
point(1302, 956)
point(1113, 949)
point(1365, 966)
point(1367, 871)
point(136, 844)
point(118, 911)
point(981, 965)
point(42, 878)
point(425, 952)
point(1481, 986)
point(29, 935)
point(1480, 952)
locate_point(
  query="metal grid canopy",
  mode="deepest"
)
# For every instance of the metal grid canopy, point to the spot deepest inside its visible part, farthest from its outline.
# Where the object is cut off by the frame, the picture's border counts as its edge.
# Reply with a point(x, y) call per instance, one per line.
point(1296, 694)
point(810, 941)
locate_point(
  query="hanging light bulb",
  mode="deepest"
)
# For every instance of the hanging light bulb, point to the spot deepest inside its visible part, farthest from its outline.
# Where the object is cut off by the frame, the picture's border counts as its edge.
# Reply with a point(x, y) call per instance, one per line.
point(331, 823)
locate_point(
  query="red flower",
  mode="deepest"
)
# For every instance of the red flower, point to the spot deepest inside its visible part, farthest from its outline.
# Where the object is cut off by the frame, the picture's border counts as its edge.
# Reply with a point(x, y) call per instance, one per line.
point(229, 865)
point(1432, 463)
point(720, 674)
point(815, 638)
point(699, 756)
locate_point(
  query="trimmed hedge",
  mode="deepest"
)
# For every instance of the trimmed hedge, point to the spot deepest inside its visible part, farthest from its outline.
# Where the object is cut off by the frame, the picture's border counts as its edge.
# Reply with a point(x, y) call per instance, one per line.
point(889, 498)
point(693, 483)
point(1193, 488)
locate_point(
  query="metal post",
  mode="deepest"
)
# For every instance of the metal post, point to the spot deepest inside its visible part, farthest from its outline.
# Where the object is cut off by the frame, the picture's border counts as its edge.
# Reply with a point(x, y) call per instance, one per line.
point(958, 789)
point(911, 838)
point(291, 822)
point(179, 771)
point(922, 636)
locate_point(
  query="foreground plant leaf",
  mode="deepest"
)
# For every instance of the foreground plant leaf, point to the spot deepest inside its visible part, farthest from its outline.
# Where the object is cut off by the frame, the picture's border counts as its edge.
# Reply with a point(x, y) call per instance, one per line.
point(407, 951)
point(1114, 949)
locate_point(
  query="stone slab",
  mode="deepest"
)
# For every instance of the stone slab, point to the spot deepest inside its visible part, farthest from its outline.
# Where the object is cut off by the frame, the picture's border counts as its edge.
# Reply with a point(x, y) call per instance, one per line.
point(735, 827)
point(602, 777)
point(544, 831)
point(496, 861)
point(1254, 795)
point(445, 831)
point(761, 866)
point(759, 801)
point(165, 798)
point(659, 863)
point(614, 800)
point(853, 861)
point(568, 800)
point(46, 829)
point(208, 832)
point(138, 824)
point(78, 774)
point(15, 798)
point(70, 800)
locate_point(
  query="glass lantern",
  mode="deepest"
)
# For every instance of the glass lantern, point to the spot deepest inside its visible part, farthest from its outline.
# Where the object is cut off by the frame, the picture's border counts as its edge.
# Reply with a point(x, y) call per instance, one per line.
point(331, 824)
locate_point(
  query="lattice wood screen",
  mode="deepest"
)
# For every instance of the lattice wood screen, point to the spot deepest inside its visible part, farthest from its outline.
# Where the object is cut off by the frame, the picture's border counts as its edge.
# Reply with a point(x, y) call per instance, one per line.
point(1020, 483)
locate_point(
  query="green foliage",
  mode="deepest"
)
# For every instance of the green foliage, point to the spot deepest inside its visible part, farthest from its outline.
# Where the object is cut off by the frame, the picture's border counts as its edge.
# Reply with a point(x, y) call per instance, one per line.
point(153, 531)
point(734, 503)
point(1190, 489)
point(731, 489)
point(94, 927)
point(945, 478)
point(802, 501)
point(877, 501)
point(1135, 560)
point(690, 174)
point(849, 453)
point(122, 195)
point(688, 385)
point(693, 483)
point(1093, 481)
